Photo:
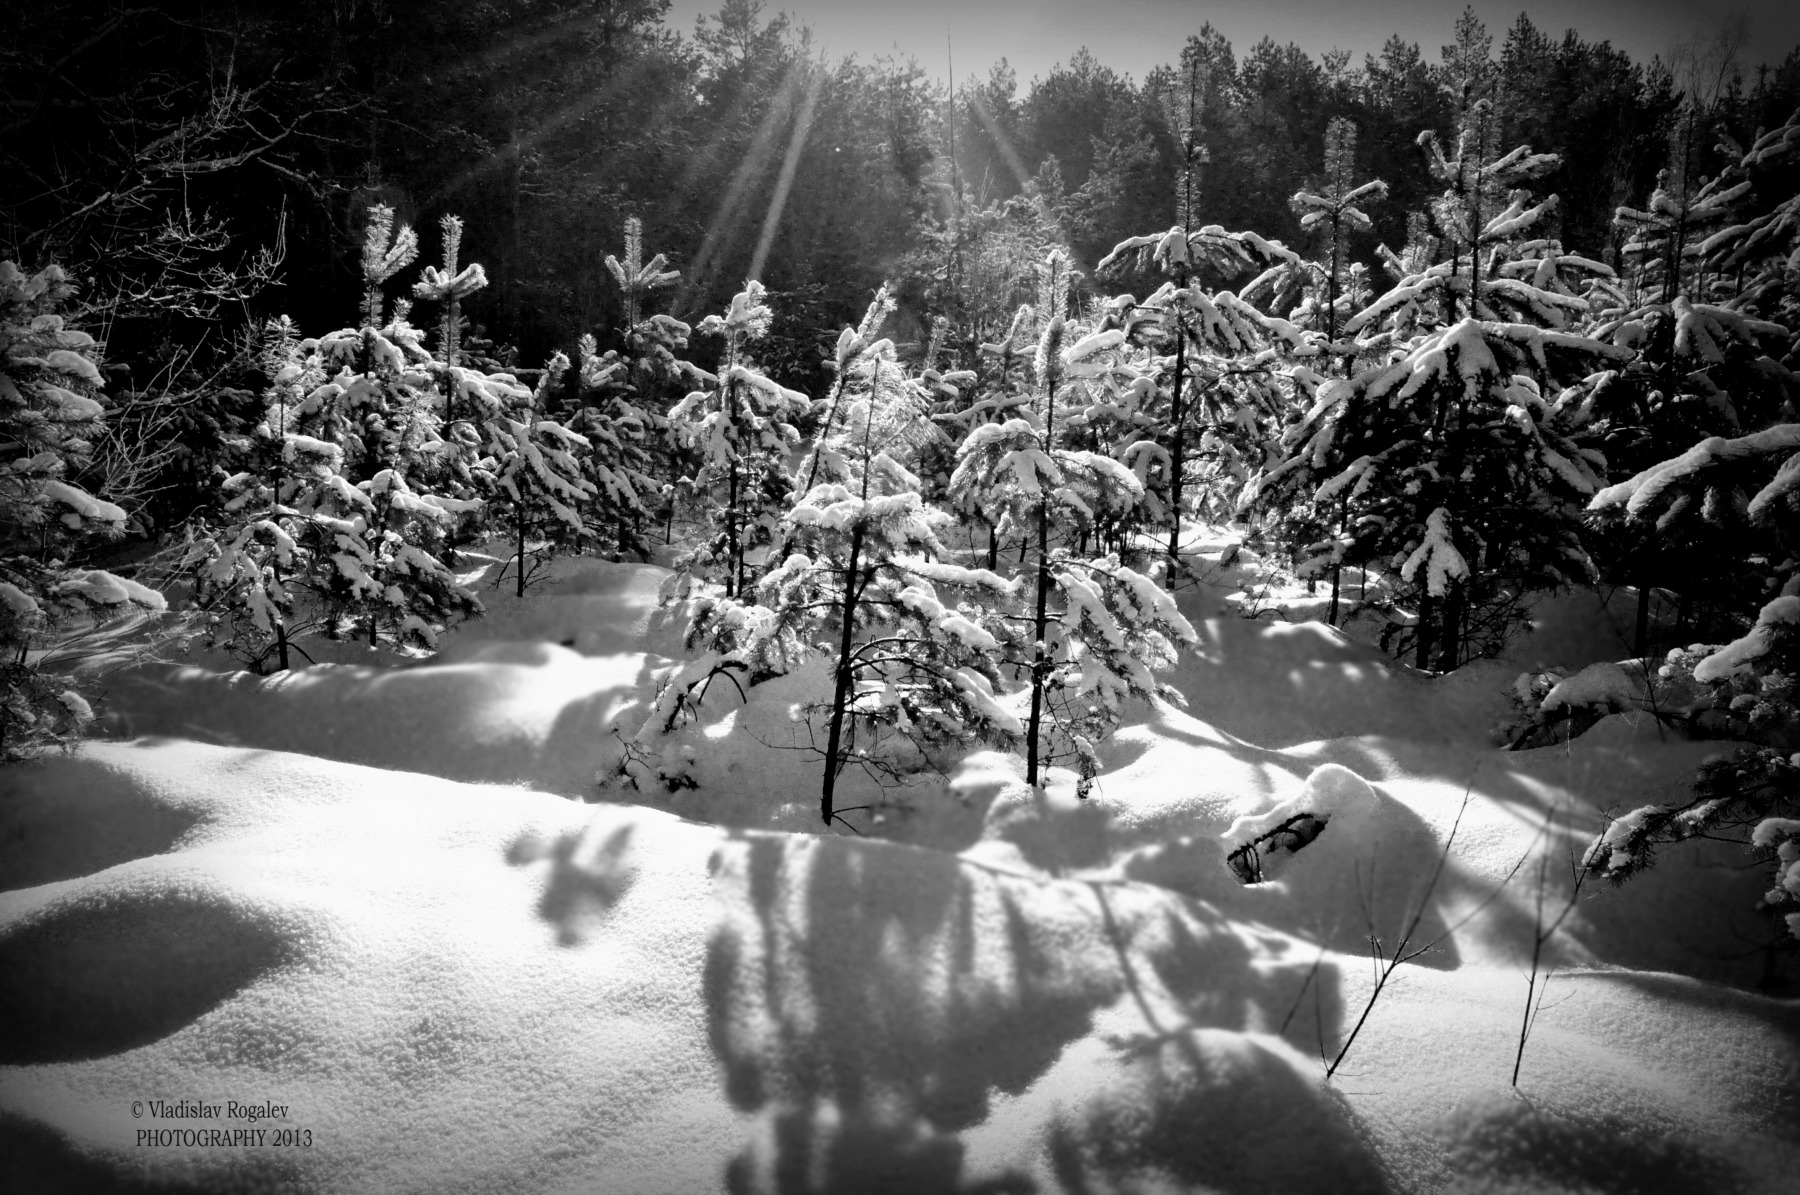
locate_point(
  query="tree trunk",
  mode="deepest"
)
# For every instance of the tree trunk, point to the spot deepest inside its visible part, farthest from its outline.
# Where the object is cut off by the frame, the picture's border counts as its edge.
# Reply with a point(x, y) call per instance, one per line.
point(840, 694)
point(281, 646)
point(1427, 619)
point(1040, 624)
point(1642, 645)
point(731, 531)
point(1455, 609)
point(519, 528)
point(1177, 447)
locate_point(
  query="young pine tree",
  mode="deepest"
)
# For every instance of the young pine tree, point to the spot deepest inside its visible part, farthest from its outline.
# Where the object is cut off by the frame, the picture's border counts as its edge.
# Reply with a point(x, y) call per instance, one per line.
point(622, 398)
point(1213, 333)
point(336, 519)
point(741, 430)
point(1096, 627)
point(538, 483)
point(51, 412)
point(909, 638)
point(1453, 452)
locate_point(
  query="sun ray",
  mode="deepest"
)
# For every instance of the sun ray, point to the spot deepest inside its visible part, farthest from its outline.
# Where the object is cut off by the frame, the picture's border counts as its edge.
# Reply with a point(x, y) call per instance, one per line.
point(789, 162)
point(1008, 154)
point(527, 140)
point(729, 215)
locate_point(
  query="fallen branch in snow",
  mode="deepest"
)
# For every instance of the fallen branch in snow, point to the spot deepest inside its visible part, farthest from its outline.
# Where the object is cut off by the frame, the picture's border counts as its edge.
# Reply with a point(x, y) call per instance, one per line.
point(1288, 837)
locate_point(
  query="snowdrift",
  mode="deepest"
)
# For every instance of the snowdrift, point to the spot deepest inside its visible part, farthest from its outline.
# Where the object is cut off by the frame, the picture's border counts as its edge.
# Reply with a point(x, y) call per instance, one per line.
point(360, 895)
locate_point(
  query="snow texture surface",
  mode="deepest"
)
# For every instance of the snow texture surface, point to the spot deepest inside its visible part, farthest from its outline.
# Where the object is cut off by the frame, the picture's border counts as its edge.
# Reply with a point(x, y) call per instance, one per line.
point(362, 894)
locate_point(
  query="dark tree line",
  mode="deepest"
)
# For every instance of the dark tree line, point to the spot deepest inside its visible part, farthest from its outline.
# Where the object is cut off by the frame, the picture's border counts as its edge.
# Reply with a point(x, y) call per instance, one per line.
point(201, 167)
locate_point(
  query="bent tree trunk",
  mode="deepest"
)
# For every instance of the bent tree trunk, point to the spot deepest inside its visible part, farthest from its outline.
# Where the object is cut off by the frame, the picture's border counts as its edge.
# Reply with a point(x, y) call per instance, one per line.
point(840, 692)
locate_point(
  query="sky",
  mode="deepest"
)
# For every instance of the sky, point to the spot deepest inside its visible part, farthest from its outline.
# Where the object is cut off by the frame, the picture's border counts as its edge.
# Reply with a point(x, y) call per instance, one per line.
point(1133, 36)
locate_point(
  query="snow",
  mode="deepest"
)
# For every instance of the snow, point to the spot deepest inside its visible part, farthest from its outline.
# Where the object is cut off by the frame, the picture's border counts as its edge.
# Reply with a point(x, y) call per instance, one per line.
point(361, 892)
point(1604, 686)
point(1754, 644)
point(1442, 562)
point(17, 600)
point(80, 501)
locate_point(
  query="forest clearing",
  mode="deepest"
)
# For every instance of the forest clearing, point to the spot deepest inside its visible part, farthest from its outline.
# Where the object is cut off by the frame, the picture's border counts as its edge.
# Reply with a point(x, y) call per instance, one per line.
point(1238, 633)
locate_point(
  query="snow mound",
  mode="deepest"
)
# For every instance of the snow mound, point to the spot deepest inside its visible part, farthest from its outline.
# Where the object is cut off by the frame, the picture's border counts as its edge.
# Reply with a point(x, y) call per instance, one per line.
point(470, 988)
point(592, 607)
point(496, 711)
point(1602, 686)
point(298, 895)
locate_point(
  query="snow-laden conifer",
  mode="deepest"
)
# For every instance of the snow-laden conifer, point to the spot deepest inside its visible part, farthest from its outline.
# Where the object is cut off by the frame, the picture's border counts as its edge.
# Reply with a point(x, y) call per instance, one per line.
point(909, 637)
point(346, 493)
point(1214, 379)
point(1331, 212)
point(51, 412)
point(1458, 450)
point(1097, 628)
point(538, 484)
point(1709, 379)
point(623, 398)
point(740, 429)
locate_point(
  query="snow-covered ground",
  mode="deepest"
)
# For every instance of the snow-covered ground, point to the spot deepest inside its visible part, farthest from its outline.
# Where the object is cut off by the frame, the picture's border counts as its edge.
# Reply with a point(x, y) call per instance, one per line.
point(362, 893)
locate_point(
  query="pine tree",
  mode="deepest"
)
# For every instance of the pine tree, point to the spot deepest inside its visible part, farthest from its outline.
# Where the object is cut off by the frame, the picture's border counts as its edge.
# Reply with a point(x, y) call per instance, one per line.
point(51, 411)
point(741, 429)
point(473, 391)
point(621, 398)
point(1210, 330)
point(538, 481)
point(243, 561)
point(1331, 214)
point(1702, 369)
point(1097, 627)
point(450, 286)
point(1452, 452)
point(336, 518)
point(1482, 208)
point(910, 638)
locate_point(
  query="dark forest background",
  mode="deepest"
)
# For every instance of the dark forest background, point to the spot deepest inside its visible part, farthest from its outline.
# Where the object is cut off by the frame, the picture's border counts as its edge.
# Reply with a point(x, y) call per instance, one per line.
point(204, 166)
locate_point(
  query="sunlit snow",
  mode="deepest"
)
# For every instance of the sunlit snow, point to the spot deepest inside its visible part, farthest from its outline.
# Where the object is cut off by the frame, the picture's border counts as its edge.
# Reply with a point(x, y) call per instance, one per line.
point(364, 893)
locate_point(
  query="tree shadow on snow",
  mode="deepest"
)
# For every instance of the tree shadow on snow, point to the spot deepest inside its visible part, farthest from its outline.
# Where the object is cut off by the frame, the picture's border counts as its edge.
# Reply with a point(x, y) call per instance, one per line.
point(588, 876)
point(70, 817)
point(103, 972)
point(868, 1002)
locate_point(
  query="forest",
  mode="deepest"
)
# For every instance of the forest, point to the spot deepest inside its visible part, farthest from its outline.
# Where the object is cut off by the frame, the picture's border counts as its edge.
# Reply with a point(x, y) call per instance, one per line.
point(877, 488)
